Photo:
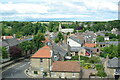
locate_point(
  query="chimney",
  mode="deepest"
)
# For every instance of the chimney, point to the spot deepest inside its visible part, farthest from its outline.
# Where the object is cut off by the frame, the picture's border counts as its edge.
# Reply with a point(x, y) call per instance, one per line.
point(14, 35)
point(68, 49)
point(4, 37)
point(107, 57)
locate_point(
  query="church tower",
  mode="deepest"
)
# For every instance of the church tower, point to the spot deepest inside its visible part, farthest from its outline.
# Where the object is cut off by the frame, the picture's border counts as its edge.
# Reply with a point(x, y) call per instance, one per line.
point(60, 28)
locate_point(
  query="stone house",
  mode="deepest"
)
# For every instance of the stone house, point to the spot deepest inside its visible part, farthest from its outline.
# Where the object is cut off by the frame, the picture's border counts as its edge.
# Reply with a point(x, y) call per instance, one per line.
point(41, 61)
point(112, 67)
point(58, 52)
point(89, 51)
point(66, 69)
point(89, 36)
point(74, 45)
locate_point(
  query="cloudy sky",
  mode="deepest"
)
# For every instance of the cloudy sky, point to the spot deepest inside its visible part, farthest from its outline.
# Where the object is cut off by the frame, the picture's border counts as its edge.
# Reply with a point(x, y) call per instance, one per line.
point(58, 10)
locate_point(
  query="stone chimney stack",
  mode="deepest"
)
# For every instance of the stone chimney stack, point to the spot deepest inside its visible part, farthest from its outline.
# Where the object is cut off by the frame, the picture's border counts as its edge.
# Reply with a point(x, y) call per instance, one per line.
point(14, 35)
point(107, 58)
point(4, 37)
point(68, 49)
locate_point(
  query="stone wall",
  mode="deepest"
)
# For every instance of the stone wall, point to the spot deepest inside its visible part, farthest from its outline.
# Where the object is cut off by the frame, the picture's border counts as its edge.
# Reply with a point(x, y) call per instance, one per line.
point(65, 75)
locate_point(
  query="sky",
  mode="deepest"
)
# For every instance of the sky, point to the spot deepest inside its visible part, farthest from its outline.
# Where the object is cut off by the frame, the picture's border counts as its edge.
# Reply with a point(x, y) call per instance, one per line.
point(58, 10)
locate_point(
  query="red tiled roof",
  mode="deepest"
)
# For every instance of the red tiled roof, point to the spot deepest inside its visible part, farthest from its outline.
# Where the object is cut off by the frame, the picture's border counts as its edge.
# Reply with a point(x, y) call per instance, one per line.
point(90, 44)
point(66, 66)
point(44, 52)
point(7, 37)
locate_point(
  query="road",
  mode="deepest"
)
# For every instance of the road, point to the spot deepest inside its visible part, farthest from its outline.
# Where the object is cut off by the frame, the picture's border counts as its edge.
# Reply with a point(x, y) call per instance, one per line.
point(17, 71)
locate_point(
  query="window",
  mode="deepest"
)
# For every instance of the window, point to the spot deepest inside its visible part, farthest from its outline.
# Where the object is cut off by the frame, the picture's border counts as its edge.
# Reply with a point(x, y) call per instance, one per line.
point(73, 75)
point(35, 72)
point(41, 68)
point(97, 50)
point(62, 75)
point(41, 60)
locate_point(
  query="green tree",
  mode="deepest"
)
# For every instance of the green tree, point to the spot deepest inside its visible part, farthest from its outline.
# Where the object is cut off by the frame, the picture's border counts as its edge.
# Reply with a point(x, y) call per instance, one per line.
point(100, 39)
point(4, 52)
point(37, 40)
point(26, 46)
point(56, 40)
point(111, 51)
point(60, 36)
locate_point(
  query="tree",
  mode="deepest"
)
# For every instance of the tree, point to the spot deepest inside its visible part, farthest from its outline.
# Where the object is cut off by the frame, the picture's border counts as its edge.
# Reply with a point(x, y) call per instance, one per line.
point(37, 40)
point(4, 52)
point(26, 46)
point(15, 52)
point(100, 39)
point(111, 51)
point(60, 36)
point(56, 40)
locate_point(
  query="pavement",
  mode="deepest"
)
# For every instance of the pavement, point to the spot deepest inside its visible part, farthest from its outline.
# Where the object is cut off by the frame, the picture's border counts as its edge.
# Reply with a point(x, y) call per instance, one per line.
point(17, 70)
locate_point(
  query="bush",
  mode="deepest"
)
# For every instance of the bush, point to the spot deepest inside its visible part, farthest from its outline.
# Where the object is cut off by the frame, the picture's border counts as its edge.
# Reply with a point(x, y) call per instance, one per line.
point(75, 57)
point(99, 66)
point(87, 66)
point(101, 73)
point(94, 59)
point(81, 58)
point(56, 40)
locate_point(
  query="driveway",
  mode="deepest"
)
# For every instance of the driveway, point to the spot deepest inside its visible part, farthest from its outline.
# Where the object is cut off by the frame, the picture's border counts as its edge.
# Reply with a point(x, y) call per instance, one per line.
point(17, 71)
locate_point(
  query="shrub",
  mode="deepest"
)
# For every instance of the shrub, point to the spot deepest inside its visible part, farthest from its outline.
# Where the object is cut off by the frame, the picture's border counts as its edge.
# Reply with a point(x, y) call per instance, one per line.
point(56, 40)
point(101, 73)
point(99, 66)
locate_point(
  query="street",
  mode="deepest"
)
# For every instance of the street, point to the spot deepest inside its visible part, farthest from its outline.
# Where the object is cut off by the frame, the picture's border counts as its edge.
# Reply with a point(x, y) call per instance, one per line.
point(17, 71)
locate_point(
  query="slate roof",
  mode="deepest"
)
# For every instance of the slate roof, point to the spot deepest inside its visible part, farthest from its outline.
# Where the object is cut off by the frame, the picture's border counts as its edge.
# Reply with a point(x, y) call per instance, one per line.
point(28, 39)
point(113, 42)
point(66, 66)
point(114, 63)
point(10, 42)
point(4, 43)
point(76, 39)
point(58, 49)
point(109, 42)
point(75, 49)
point(90, 48)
